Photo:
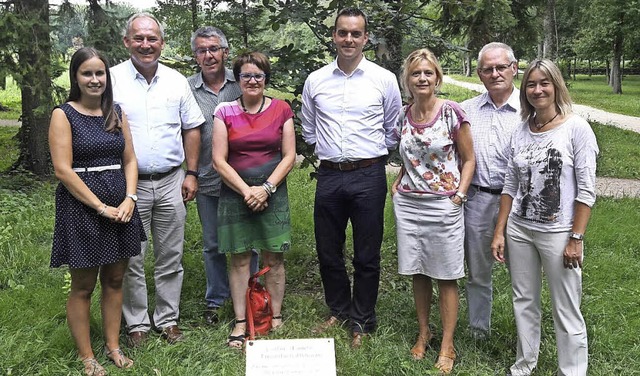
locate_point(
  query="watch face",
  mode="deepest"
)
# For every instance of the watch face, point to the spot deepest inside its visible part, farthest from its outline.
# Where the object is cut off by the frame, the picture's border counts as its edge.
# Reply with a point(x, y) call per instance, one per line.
point(133, 197)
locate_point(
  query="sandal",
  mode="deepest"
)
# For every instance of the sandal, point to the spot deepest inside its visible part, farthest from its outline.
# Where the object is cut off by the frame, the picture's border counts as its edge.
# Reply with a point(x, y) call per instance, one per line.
point(237, 342)
point(118, 358)
point(421, 346)
point(93, 368)
point(276, 327)
point(445, 361)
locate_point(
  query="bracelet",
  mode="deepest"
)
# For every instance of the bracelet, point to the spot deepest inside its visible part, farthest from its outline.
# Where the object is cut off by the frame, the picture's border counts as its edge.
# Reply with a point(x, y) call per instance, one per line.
point(104, 209)
point(193, 173)
point(266, 189)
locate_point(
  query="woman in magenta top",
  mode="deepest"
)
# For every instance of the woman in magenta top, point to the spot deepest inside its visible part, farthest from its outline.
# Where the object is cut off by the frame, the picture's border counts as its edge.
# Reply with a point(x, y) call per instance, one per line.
point(253, 151)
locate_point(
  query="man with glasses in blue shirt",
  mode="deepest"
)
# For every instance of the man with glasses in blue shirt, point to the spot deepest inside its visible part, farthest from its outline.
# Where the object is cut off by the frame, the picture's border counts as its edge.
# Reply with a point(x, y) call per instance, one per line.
point(212, 85)
point(349, 111)
point(493, 115)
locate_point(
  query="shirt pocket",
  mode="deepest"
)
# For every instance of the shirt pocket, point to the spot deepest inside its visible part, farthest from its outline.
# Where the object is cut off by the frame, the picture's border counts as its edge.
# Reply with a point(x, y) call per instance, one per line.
point(165, 111)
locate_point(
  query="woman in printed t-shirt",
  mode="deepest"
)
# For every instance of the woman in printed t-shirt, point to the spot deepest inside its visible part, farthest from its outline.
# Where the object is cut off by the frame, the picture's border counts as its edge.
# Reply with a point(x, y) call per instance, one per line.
point(545, 207)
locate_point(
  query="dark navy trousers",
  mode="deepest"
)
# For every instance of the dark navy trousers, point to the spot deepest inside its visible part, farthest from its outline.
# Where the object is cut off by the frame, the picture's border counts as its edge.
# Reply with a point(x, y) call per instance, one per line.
point(357, 196)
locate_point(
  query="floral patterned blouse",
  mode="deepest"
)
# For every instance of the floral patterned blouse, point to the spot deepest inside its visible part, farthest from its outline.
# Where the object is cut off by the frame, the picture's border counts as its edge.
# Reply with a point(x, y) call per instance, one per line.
point(429, 153)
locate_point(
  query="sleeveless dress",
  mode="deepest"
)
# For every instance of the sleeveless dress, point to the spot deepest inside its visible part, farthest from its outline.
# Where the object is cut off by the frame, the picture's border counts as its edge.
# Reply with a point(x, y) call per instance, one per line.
point(82, 238)
point(255, 150)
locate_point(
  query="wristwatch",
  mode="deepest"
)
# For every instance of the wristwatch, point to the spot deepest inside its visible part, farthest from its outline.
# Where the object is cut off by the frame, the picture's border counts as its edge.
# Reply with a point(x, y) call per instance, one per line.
point(462, 196)
point(133, 196)
point(271, 188)
point(576, 236)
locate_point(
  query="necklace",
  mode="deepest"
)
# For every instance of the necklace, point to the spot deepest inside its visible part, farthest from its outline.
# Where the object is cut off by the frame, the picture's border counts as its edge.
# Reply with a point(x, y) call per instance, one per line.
point(540, 126)
point(247, 111)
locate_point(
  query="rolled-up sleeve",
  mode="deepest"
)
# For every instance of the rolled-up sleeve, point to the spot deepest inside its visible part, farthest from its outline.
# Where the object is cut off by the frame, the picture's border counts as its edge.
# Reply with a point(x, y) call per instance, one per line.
point(585, 154)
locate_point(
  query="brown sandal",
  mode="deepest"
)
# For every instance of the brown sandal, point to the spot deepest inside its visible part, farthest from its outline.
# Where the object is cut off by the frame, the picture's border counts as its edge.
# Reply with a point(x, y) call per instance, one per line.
point(118, 358)
point(445, 361)
point(93, 368)
point(421, 346)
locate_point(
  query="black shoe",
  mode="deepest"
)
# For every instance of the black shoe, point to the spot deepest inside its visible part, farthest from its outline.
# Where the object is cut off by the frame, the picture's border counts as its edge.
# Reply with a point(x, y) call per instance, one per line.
point(211, 316)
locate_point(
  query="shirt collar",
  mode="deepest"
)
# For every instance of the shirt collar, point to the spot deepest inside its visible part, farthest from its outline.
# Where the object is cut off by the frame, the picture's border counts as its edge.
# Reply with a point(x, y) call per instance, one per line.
point(513, 102)
point(362, 66)
point(135, 74)
point(228, 77)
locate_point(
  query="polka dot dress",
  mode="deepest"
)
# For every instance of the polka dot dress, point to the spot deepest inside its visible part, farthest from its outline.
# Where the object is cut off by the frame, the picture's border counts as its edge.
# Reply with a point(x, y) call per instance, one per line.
point(82, 238)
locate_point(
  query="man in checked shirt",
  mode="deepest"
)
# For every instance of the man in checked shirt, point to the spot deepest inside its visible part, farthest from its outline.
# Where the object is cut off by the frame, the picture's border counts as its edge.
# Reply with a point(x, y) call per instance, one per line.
point(493, 115)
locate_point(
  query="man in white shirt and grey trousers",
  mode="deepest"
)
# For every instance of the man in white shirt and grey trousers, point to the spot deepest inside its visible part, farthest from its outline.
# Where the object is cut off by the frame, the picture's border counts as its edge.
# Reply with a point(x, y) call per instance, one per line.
point(493, 115)
point(349, 110)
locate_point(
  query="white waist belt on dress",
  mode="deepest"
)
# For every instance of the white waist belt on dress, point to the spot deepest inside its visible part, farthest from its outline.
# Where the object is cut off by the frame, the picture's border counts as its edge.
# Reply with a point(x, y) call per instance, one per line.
point(97, 168)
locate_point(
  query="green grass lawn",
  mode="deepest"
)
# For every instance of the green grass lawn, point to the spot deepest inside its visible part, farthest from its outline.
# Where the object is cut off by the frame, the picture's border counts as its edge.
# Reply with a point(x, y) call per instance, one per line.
point(36, 340)
point(595, 92)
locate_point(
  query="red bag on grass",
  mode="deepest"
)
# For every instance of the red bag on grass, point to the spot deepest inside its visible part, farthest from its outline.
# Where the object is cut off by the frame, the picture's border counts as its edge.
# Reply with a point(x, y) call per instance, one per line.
point(259, 312)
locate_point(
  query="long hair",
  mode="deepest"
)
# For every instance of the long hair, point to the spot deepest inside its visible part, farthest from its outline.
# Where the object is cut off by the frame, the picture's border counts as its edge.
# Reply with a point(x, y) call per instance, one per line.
point(111, 118)
point(415, 58)
point(553, 74)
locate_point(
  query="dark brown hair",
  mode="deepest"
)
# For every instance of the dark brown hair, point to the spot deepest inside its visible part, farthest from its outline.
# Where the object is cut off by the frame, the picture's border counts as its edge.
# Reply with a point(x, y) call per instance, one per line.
point(111, 118)
point(258, 59)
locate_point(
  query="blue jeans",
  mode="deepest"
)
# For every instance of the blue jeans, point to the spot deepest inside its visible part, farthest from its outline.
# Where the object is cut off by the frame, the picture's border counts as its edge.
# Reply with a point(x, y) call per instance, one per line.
point(215, 264)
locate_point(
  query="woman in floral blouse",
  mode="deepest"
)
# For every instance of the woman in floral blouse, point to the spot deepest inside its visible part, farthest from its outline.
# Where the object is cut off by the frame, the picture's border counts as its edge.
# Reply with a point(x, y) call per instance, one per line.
point(428, 195)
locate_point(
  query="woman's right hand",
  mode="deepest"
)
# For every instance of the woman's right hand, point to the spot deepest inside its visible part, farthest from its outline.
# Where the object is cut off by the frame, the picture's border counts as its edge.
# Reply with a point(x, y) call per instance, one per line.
point(497, 247)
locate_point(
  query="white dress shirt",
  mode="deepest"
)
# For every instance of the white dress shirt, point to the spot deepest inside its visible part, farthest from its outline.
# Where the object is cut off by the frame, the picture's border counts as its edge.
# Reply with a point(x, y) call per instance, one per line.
point(350, 117)
point(491, 129)
point(157, 114)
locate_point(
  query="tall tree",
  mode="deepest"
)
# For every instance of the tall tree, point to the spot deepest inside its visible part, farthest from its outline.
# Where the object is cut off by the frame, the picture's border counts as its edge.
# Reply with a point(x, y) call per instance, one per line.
point(28, 26)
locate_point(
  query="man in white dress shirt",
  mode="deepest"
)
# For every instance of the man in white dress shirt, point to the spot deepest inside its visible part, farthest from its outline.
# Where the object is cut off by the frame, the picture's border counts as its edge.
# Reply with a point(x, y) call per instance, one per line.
point(349, 110)
point(164, 119)
point(493, 115)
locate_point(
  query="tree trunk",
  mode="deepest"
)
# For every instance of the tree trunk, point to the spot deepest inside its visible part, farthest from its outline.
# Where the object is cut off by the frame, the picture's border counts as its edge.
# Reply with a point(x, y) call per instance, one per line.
point(34, 58)
point(194, 15)
point(550, 49)
point(616, 74)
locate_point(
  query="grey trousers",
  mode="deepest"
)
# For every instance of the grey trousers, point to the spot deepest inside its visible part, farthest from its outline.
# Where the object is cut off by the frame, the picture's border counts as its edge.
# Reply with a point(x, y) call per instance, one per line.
point(480, 215)
point(164, 214)
point(529, 254)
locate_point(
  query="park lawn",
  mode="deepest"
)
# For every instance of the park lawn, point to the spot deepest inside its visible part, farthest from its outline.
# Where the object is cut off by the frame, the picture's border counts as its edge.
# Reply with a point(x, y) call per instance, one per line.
point(35, 338)
point(594, 91)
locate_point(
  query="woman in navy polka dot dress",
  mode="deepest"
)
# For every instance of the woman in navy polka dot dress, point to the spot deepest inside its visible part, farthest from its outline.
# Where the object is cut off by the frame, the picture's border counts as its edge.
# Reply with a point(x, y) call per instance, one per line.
point(97, 227)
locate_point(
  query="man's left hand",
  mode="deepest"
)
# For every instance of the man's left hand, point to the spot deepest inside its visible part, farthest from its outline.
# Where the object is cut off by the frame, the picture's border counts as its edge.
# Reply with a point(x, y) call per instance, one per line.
point(189, 188)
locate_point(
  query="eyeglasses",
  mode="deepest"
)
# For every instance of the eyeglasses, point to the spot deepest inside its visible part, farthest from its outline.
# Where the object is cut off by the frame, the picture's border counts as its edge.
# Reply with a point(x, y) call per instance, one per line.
point(498, 68)
point(246, 77)
point(203, 51)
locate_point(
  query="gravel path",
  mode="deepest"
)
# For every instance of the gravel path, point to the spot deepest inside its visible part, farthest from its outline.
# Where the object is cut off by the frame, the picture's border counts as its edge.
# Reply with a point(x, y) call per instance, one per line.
point(7, 122)
point(604, 186)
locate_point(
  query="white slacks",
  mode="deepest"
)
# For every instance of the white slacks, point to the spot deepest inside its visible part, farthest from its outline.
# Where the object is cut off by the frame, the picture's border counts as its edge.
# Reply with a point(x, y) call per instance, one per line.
point(480, 215)
point(528, 254)
point(164, 214)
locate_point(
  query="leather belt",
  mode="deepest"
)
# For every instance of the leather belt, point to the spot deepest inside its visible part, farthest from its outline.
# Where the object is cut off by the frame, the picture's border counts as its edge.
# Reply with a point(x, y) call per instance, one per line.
point(97, 168)
point(493, 191)
point(157, 175)
point(350, 166)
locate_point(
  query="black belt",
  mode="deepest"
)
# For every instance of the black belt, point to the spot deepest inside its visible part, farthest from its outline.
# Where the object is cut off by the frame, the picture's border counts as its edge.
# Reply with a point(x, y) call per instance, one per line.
point(350, 166)
point(157, 175)
point(493, 191)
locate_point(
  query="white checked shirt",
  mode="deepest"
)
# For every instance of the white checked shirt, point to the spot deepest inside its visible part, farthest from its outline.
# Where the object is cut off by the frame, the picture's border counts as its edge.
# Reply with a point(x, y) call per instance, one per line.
point(491, 129)
point(351, 117)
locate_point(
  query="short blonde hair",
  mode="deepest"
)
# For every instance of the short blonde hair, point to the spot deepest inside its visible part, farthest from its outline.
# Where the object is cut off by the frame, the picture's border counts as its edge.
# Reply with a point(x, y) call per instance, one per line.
point(552, 72)
point(415, 58)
